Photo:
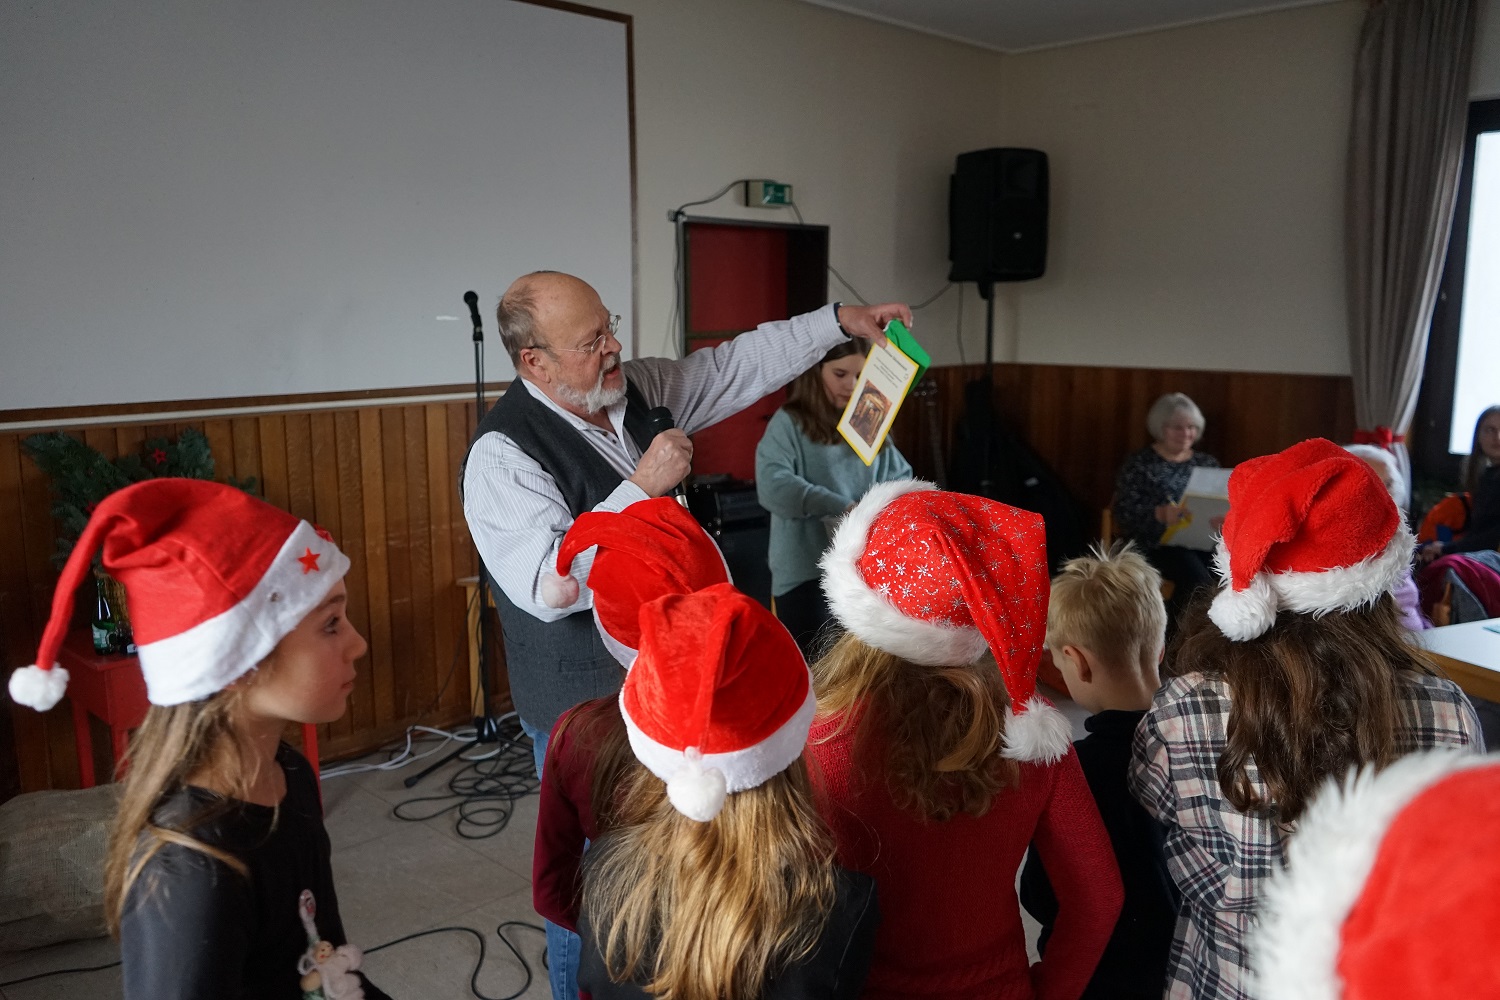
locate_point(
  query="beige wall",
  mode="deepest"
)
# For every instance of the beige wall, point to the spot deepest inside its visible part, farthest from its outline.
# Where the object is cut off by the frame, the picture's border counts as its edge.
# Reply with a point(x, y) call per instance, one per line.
point(1197, 172)
point(1197, 209)
point(864, 119)
point(1486, 77)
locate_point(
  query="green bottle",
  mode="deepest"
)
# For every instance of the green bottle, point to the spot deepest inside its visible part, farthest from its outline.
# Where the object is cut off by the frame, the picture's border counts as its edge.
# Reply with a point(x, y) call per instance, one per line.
point(104, 623)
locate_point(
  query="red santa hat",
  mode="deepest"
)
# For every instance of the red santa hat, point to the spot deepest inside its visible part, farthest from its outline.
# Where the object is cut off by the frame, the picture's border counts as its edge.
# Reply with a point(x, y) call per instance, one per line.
point(1392, 888)
point(720, 699)
point(214, 577)
point(936, 578)
point(649, 549)
point(1311, 529)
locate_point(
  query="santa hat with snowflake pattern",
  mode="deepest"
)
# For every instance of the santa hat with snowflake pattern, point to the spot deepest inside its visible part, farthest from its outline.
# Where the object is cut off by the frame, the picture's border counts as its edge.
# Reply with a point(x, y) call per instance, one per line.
point(936, 578)
point(649, 549)
point(1311, 529)
point(720, 699)
point(1391, 889)
point(214, 578)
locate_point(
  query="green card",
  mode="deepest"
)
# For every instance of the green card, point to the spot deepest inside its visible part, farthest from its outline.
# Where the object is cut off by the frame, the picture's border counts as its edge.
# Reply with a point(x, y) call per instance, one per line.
point(897, 333)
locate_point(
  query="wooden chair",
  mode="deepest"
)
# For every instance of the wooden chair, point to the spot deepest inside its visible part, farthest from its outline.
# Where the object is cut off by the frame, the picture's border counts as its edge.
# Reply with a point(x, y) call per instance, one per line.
point(1107, 539)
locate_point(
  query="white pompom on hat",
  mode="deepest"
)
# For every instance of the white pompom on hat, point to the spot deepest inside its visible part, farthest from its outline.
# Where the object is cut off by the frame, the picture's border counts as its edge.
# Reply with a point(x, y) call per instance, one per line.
point(1311, 529)
point(937, 578)
point(214, 579)
point(1391, 889)
point(720, 699)
point(649, 549)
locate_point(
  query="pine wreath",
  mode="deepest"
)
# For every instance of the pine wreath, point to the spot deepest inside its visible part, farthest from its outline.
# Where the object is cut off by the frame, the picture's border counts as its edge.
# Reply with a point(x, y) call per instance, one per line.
point(81, 477)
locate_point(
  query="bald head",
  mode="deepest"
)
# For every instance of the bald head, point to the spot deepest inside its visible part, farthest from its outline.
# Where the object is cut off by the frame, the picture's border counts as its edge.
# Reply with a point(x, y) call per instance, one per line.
point(542, 305)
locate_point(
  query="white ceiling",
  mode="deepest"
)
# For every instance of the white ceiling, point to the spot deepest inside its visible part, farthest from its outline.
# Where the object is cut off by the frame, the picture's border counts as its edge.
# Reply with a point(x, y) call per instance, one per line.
point(1018, 25)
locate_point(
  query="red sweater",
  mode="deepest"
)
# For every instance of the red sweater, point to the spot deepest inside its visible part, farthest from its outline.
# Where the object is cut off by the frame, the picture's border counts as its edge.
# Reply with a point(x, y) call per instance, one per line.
point(951, 923)
point(565, 816)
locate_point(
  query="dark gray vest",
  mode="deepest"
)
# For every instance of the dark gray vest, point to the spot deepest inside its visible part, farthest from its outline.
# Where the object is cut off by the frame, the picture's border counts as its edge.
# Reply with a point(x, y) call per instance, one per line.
point(555, 665)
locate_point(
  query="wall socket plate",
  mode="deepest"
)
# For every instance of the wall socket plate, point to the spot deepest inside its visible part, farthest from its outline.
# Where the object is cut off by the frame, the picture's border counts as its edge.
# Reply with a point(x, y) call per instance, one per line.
point(767, 194)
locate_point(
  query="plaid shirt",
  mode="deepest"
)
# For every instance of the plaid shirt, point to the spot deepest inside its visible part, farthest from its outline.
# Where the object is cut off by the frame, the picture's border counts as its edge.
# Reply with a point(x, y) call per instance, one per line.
point(1218, 856)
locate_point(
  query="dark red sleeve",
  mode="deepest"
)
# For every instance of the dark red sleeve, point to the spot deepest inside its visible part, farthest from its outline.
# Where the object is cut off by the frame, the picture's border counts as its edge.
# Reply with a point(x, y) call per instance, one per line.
point(1075, 849)
point(561, 830)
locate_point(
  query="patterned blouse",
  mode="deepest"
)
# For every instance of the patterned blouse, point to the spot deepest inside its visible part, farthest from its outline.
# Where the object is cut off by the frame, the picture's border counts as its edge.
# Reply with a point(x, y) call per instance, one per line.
point(1146, 481)
point(1218, 856)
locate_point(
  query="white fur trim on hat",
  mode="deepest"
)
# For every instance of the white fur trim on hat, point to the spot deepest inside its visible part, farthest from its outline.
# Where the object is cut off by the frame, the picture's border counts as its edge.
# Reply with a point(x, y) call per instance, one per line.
point(696, 791)
point(1246, 614)
point(559, 591)
point(211, 655)
point(621, 652)
point(862, 610)
point(37, 688)
point(741, 769)
point(1295, 948)
point(1040, 733)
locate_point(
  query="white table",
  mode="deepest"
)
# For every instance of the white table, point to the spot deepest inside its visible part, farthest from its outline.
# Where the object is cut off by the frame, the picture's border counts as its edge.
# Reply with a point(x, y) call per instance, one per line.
point(1468, 653)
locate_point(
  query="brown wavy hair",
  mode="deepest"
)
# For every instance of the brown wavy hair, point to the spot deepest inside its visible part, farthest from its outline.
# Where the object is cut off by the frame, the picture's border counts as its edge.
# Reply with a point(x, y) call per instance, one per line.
point(936, 733)
point(807, 401)
point(1309, 699)
point(172, 744)
point(707, 911)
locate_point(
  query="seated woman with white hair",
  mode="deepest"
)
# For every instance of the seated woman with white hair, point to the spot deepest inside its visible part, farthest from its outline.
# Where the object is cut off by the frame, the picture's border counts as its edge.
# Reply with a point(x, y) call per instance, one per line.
point(1408, 602)
point(1148, 494)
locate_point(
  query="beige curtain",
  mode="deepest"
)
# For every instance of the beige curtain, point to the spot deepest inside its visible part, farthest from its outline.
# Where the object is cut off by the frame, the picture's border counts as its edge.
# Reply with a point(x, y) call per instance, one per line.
point(1411, 85)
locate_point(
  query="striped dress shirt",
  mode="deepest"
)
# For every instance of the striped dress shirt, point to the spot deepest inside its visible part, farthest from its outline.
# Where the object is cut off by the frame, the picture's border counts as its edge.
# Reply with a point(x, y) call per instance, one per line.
point(516, 514)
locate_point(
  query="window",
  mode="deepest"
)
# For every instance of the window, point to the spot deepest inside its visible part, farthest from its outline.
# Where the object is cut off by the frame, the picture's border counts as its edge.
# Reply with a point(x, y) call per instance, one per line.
point(1462, 376)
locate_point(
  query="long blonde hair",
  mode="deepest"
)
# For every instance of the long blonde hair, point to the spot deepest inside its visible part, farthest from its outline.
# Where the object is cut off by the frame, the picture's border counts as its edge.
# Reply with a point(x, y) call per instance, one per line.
point(707, 911)
point(936, 733)
point(172, 744)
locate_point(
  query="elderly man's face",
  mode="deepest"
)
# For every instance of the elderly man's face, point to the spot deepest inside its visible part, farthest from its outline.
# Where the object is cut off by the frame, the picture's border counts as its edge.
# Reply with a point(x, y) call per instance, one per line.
point(583, 356)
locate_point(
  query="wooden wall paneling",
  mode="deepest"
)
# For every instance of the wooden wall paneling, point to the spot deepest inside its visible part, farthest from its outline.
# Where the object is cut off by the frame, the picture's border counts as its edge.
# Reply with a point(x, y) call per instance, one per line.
point(461, 422)
point(339, 489)
point(372, 476)
point(299, 467)
point(441, 499)
point(396, 528)
point(271, 432)
point(422, 687)
point(15, 612)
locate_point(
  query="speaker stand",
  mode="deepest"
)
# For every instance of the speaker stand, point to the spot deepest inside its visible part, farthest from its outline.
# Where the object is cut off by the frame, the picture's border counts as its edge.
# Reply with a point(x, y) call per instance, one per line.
point(986, 482)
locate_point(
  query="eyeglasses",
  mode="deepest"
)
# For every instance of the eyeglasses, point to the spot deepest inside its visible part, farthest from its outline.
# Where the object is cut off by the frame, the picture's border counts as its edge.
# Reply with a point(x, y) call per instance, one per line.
point(594, 345)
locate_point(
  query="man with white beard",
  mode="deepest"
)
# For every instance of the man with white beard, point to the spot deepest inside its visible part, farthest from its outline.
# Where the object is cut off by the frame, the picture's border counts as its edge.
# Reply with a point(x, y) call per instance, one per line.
point(572, 434)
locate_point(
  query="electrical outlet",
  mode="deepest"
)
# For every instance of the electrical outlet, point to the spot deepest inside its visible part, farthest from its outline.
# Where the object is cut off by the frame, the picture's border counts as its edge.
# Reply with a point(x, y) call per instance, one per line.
point(767, 194)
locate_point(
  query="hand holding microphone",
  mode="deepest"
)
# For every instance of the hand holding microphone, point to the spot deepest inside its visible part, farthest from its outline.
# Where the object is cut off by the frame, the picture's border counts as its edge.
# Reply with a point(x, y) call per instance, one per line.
point(667, 461)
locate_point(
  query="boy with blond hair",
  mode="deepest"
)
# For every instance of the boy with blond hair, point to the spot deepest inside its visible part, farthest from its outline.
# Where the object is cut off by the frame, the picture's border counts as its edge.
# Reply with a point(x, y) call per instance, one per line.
point(1106, 628)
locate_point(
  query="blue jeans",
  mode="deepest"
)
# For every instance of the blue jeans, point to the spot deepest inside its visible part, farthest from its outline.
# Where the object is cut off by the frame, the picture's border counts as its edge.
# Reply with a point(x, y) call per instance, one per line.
point(562, 944)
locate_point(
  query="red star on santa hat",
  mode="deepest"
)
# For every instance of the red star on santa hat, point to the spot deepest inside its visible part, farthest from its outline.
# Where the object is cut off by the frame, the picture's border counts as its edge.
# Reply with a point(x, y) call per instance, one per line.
point(309, 561)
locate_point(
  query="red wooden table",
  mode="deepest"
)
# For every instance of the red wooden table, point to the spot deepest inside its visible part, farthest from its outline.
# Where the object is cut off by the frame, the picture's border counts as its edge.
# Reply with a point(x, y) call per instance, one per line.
point(112, 688)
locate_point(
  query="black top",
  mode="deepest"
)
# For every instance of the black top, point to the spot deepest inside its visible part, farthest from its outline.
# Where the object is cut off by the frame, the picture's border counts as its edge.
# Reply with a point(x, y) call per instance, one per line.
point(1145, 482)
point(195, 928)
point(1134, 963)
point(553, 666)
point(835, 970)
point(1483, 531)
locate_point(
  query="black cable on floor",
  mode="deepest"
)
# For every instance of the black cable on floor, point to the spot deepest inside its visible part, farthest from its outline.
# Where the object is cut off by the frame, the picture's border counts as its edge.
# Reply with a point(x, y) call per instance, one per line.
point(484, 792)
point(473, 978)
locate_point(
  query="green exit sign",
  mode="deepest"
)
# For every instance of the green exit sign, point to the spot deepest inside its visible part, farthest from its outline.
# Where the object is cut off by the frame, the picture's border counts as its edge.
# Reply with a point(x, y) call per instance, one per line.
point(767, 194)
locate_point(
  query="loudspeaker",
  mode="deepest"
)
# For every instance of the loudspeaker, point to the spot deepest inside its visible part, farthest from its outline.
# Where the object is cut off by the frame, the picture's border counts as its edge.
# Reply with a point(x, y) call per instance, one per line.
point(997, 216)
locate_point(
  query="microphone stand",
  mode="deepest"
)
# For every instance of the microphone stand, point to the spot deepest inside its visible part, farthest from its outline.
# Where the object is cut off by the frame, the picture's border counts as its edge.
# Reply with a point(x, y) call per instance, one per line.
point(486, 726)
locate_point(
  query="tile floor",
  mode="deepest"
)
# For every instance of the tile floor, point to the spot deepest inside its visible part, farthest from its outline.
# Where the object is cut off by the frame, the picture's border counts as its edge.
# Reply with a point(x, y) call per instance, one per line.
point(394, 877)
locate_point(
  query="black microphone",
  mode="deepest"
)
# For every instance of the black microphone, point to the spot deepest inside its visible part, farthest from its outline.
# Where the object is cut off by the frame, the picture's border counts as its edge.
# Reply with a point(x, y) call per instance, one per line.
point(471, 299)
point(659, 419)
